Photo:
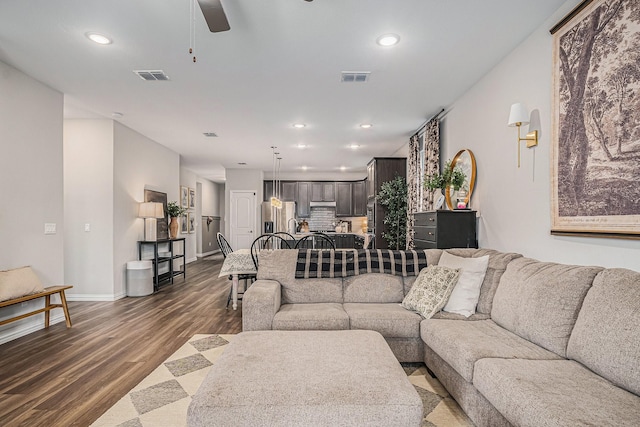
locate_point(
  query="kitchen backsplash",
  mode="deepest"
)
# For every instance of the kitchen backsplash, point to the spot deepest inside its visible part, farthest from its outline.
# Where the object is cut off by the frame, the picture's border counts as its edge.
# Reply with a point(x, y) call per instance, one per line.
point(324, 218)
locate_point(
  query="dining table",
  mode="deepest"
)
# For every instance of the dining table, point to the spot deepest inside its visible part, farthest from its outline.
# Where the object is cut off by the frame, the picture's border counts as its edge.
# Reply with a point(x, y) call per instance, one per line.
point(238, 262)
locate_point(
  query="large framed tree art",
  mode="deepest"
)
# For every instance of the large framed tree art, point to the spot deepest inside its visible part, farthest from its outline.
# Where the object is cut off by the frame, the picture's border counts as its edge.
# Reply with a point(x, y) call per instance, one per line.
point(596, 121)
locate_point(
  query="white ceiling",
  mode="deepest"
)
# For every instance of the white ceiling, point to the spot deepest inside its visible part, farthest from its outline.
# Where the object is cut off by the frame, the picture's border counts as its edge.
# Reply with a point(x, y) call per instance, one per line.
point(280, 63)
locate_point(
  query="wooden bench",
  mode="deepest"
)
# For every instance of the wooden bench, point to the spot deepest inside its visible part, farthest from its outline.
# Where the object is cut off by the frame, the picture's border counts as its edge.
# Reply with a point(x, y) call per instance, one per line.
point(51, 290)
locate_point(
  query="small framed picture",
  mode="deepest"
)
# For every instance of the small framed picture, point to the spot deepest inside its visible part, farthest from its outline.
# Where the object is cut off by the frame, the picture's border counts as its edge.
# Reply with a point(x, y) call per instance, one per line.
point(192, 222)
point(184, 197)
point(192, 198)
point(184, 223)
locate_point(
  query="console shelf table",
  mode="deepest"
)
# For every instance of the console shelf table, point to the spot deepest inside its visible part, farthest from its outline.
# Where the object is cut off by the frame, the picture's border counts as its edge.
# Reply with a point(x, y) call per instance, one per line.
point(161, 256)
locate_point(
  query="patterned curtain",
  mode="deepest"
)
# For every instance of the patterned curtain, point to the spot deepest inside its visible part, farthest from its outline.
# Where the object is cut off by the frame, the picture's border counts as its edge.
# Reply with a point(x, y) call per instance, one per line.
point(415, 180)
point(431, 158)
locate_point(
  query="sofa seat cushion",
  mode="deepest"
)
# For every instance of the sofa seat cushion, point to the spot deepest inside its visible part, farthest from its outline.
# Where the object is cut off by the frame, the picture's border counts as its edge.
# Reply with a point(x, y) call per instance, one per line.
point(320, 316)
point(554, 393)
point(461, 343)
point(606, 336)
point(390, 320)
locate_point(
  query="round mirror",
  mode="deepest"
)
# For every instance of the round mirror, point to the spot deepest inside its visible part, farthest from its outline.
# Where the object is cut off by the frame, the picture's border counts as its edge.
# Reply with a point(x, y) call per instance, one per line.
point(467, 162)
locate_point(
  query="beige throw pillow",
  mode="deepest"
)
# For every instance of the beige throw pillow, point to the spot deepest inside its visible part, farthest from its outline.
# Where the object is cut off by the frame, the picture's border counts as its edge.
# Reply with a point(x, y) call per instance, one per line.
point(431, 290)
point(19, 282)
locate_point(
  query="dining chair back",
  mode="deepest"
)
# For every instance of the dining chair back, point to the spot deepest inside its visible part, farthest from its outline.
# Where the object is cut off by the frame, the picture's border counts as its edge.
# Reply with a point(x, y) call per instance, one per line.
point(268, 242)
point(315, 241)
point(225, 247)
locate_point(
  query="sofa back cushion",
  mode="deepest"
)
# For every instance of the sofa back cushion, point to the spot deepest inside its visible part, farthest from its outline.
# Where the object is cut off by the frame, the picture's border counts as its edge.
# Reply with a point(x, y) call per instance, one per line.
point(540, 301)
point(19, 282)
point(606, 336)
point(373, 288)
point(498, 262)
point(280, 265)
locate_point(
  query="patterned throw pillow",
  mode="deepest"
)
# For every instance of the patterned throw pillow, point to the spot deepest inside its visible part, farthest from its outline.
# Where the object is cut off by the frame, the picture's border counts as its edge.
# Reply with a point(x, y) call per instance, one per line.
point(431, 290)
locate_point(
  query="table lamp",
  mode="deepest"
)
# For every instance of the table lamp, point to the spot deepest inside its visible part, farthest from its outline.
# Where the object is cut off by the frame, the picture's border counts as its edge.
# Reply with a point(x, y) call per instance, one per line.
point(150, 211)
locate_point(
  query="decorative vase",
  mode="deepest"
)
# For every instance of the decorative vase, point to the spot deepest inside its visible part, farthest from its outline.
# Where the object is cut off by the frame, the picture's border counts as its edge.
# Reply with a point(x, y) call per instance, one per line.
point(173, 227)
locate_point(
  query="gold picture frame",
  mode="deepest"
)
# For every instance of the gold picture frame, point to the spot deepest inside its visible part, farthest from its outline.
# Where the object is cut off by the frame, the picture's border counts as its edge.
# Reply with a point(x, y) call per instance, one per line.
point(595, 147)
point(184, 197)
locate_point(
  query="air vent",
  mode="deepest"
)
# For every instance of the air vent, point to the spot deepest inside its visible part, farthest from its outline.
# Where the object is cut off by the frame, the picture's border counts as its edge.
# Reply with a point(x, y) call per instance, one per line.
point(210, 134)
point(355, 76)
point(151, 75)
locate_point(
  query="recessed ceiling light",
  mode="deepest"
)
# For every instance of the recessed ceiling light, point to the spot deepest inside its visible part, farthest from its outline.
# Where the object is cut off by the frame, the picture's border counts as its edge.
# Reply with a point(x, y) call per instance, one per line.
point(366, 125)
point(302, 146)
point(304, 168)
point(117, 115)
point(388, 39)
point(299, 125)
point(354, 146)
point(343, 168)
point(99, 38)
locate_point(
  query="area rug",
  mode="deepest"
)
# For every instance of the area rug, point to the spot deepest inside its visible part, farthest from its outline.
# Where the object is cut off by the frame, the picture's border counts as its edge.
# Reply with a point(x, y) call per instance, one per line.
point(162, 398)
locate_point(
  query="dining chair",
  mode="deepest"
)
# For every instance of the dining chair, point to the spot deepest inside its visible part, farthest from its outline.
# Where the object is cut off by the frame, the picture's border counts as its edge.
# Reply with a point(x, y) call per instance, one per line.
point(226, 249)
point(315, 241)
point(268, 242)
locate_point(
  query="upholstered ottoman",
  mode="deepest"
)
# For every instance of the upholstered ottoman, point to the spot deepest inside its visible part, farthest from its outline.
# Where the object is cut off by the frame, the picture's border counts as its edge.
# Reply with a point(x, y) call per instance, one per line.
point(310, 378)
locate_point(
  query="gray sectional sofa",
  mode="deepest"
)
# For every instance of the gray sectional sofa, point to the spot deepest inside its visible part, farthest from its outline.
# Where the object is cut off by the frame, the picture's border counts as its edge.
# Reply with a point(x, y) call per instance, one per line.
point(550, 344)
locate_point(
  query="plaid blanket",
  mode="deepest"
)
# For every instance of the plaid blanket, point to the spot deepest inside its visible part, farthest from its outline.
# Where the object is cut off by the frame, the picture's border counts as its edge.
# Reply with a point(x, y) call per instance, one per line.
point(314, 263)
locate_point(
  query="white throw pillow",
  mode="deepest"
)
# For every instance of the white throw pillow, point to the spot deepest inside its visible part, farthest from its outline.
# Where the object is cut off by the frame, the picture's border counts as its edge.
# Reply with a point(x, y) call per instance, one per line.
point(431, 290)
point(19, 282)
point(465, 295)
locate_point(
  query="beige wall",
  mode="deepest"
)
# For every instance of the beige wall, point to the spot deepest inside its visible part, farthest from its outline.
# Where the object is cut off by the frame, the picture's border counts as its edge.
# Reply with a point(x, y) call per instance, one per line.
point(515, 203)
point(31, 186)
point(88, 199)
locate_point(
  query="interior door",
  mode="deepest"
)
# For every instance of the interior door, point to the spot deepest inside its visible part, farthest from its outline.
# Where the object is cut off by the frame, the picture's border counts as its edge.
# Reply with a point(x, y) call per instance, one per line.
point(243, 219)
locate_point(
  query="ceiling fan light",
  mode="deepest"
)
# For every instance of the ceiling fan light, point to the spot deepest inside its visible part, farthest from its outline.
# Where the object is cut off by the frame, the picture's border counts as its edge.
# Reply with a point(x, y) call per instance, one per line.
point(99, 38)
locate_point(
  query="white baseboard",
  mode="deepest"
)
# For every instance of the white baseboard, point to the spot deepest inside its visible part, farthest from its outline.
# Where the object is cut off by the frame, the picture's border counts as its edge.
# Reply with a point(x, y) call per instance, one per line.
point(190, 260)
point(32, 327)
point(95, 297)
point(208, 253)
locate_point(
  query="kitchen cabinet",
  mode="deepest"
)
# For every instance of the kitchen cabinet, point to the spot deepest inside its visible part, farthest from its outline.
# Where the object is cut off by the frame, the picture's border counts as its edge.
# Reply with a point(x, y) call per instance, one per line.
point(379, 171)
point(288, 191)
point(323, 192)
point(445, 229)
point(344, 199)
point(303, 200)
point(359, 204)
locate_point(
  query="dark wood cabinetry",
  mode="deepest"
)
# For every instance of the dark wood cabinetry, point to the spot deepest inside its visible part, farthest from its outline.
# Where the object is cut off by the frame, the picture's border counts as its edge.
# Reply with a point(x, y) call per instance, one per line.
point(302, 203)
point(445, 229)
point(359, 204)
point(344, 199)
point(379, 171)
point(288, 191)
point(323, 192)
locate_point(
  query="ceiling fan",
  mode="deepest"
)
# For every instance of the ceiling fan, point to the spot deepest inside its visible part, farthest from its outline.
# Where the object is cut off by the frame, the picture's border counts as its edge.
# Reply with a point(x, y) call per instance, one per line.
point(215, 16)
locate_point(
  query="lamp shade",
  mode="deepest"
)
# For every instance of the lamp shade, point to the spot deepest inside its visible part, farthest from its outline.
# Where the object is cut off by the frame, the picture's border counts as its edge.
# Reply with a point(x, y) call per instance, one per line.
point(150, 210)
point(518, 114)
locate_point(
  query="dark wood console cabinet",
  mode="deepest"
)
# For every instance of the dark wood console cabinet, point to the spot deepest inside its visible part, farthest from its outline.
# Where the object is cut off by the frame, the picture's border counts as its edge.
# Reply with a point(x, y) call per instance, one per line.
point(445, 229)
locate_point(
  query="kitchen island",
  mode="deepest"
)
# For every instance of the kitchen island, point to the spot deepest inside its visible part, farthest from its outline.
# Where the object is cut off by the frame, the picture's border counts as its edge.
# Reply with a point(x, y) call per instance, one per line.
point(344, 240)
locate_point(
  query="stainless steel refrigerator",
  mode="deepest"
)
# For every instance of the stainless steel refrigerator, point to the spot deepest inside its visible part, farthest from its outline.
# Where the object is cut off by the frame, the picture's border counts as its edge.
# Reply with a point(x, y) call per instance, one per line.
point(278, 219)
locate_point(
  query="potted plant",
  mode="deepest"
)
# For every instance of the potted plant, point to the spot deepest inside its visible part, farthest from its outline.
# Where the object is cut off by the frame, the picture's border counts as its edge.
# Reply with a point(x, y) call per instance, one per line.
point(174, 210)
point(393, 196)
point(450, 177)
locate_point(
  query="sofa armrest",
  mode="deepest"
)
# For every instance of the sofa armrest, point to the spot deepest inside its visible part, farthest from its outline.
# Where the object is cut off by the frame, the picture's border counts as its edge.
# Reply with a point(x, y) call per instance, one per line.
point(259, 304)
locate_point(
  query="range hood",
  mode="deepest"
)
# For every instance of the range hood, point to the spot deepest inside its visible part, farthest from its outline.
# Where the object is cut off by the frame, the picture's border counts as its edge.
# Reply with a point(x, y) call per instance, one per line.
point(322, 204)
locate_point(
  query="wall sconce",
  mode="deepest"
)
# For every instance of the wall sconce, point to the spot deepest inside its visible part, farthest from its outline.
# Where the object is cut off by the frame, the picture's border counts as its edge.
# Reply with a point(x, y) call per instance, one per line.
point(150, 211)
point(518, 116)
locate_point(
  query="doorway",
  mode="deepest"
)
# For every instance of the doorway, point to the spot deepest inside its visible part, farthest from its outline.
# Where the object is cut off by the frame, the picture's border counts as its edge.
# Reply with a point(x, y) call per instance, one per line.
point(243, 219)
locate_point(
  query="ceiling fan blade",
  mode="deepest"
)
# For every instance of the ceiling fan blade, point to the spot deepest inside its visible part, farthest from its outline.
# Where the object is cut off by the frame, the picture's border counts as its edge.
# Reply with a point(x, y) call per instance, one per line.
point(214, 15)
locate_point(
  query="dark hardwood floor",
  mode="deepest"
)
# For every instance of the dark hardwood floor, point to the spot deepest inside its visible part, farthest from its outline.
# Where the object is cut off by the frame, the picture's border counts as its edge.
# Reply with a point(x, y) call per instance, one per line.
point(69, 377)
